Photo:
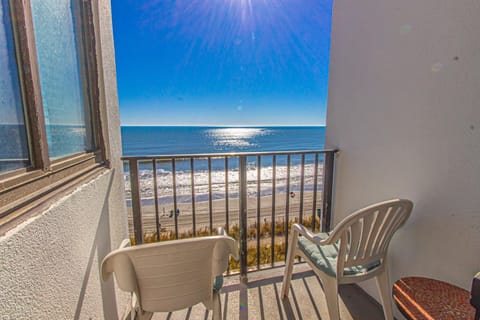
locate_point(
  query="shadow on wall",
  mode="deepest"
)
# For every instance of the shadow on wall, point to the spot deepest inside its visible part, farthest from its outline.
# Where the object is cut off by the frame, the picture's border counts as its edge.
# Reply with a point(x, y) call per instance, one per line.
point(102, 246)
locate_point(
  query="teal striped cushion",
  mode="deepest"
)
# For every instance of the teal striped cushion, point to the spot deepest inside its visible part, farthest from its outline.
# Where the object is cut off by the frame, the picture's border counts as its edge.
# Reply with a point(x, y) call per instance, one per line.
point(325, 257)
point(218, 283)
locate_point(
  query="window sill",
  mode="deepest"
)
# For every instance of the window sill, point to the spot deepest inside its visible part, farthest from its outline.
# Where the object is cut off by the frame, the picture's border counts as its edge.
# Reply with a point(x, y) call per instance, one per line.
point(23, 195)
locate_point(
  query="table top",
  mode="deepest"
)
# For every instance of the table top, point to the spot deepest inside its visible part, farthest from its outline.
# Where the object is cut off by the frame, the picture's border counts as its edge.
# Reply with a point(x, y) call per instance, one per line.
point(422, 298)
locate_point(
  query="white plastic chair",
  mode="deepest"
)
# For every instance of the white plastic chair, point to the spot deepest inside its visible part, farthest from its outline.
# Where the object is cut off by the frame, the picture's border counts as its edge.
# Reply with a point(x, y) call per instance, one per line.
point(354, 251)
point(172, 275)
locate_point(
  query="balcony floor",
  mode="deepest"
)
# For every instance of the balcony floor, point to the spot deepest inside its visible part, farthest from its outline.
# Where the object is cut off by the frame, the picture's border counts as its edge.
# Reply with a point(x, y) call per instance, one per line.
point(260, 299)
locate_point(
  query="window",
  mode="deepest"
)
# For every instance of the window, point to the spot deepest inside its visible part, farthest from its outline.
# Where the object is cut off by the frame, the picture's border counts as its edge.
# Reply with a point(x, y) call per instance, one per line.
point(14, 146)
point(67, 118)
point(50, 116)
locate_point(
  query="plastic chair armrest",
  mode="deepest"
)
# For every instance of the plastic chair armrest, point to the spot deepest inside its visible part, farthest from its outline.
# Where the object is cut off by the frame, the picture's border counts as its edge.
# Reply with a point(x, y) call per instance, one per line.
point(125, 243)
point(310, 236)
point(222, 232)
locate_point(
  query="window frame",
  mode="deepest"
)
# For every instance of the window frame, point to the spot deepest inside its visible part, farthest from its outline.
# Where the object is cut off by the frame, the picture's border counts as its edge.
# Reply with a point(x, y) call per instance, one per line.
point(23, 189)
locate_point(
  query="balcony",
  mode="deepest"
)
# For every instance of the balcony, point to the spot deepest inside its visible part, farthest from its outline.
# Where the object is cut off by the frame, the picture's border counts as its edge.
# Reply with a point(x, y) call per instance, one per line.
point(255, 198)
point(247, 194)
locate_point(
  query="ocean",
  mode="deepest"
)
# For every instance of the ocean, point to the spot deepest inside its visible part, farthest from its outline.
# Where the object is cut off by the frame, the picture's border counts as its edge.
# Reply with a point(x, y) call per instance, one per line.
point(202, 140)
point(192, 140)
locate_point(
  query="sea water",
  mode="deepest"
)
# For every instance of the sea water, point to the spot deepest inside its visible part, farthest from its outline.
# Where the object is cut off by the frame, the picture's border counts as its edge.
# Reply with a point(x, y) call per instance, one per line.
point(208, 140)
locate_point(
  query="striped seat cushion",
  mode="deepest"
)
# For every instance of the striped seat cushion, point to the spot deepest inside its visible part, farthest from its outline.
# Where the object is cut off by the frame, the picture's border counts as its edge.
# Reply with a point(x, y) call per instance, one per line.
point(325, 257)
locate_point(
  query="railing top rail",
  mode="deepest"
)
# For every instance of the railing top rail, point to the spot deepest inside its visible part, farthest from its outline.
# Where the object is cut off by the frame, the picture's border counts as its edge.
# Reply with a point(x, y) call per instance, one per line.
point(222, 155)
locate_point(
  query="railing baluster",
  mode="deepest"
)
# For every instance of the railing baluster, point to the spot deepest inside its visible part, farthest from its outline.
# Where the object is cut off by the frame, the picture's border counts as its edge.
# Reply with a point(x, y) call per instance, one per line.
point(226, 197)
point(287, 205)
point(242, 185)
point(155, 195)
point(174, 186)
point(274, 177)
point(302, 186)
point(210, 208)
point(328, 168)
point(136, 204)
point(192, 182)
point(259, 189)
point(315, 185)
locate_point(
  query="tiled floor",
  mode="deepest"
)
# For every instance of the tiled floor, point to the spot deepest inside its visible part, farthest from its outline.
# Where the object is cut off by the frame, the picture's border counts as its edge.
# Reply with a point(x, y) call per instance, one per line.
point(260, 299)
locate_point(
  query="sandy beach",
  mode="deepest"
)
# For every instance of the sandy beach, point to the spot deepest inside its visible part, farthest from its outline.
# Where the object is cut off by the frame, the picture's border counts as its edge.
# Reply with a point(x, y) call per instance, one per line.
point(185, 218)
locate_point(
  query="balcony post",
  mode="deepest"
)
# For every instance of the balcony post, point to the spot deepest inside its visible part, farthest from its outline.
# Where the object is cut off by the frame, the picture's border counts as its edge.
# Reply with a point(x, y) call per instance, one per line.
point(328, 167)
point(243, 217)
point(136, 205)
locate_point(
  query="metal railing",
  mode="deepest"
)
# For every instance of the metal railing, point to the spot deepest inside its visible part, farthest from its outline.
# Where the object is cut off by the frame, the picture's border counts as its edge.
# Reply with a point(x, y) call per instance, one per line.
point(204, 191)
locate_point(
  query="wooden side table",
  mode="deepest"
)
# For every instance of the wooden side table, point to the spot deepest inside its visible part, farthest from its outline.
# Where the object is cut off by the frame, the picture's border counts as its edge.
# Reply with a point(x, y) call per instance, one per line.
point(428, 299)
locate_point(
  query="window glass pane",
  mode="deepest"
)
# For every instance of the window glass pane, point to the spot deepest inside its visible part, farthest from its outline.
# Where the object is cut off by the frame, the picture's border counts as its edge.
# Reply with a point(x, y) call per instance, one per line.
point(66, 114)
point(13, 141)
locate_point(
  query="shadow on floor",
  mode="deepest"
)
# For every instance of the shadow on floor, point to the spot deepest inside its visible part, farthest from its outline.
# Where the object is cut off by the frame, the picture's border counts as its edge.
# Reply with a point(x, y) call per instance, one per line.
point(260, 299)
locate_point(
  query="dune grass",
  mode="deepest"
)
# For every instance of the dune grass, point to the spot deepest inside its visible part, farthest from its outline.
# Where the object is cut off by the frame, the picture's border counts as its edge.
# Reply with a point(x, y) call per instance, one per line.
point(265, 248)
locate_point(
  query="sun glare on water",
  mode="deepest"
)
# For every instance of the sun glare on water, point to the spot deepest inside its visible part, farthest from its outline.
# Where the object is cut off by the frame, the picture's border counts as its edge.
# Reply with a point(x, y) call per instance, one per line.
point(235, 137)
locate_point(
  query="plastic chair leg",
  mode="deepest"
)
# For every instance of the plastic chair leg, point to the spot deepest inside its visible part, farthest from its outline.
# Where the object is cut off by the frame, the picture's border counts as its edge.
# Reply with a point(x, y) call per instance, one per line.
point(144, 316)
point(383, 284)
point(217, 307)
point(287, 277)
point(330, 288)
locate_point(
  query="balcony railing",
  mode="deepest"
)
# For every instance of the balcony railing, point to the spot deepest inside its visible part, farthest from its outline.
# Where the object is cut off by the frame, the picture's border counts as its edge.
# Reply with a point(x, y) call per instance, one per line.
point(255, 197)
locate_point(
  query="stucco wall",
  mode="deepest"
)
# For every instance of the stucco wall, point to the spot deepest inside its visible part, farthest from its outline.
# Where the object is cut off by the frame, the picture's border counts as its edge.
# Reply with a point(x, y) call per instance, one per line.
point(49, 265)
point(404, 109)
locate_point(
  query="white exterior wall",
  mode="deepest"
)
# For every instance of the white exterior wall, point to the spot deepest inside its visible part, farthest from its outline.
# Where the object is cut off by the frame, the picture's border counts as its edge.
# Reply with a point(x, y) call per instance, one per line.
point(49, 265)
point(404, 110)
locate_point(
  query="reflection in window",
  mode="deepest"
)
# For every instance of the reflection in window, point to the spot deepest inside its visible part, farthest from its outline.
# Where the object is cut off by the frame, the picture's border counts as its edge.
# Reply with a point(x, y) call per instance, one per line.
point(13, 141)
point(66, 113)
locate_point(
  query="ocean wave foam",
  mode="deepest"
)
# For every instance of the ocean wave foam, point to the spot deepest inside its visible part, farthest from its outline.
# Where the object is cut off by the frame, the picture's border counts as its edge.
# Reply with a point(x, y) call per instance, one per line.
point(218, 182)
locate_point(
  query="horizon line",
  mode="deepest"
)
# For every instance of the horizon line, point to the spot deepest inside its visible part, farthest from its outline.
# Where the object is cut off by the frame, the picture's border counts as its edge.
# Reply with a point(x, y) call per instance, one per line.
point(219, 126)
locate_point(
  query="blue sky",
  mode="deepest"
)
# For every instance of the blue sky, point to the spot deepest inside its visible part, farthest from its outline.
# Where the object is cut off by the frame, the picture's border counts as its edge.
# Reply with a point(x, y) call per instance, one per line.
point(222, 62)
